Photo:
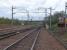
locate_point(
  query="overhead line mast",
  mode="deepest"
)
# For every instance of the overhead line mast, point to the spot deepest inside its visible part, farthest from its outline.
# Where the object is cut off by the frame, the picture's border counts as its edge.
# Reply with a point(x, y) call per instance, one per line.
point(50, 16)
point(12, 16)
point(12, 9)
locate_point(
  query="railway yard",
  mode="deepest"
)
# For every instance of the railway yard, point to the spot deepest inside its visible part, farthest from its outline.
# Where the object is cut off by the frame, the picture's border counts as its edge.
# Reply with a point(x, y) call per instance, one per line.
point(28, 38)
point(33, 25)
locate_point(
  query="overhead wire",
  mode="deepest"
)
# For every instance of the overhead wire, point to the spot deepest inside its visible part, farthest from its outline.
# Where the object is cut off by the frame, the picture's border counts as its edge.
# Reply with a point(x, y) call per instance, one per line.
point(57, 4)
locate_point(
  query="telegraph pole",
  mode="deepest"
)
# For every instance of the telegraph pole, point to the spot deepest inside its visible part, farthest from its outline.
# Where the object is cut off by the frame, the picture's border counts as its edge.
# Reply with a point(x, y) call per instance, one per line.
point(50, 16)
point(65, 14)
point(65, 7)
point(12, 16)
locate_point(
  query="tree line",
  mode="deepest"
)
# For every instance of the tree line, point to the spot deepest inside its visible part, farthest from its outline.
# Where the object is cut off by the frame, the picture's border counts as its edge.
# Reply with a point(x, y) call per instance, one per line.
point(8, 21)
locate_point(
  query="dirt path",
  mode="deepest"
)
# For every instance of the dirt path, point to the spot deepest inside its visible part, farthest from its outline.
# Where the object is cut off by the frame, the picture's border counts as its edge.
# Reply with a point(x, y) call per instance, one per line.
point(47, 42)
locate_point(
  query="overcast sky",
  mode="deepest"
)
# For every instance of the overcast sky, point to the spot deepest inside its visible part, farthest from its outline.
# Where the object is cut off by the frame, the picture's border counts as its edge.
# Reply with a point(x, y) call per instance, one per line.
point(31, 5)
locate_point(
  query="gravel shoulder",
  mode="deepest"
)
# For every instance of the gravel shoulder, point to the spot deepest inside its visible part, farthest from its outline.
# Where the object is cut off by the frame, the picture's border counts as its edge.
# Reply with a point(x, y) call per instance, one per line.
point(46, 41)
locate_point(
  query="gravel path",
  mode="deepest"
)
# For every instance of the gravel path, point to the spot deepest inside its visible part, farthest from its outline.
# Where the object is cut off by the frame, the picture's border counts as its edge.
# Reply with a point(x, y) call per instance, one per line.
point(46, 41)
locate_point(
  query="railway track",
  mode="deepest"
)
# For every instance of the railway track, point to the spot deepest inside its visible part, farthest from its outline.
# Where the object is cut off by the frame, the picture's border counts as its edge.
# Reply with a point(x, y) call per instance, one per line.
point(9, 28)
point(27, 42)
point(6, 35)
point(11, 39)
point(12, 29)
